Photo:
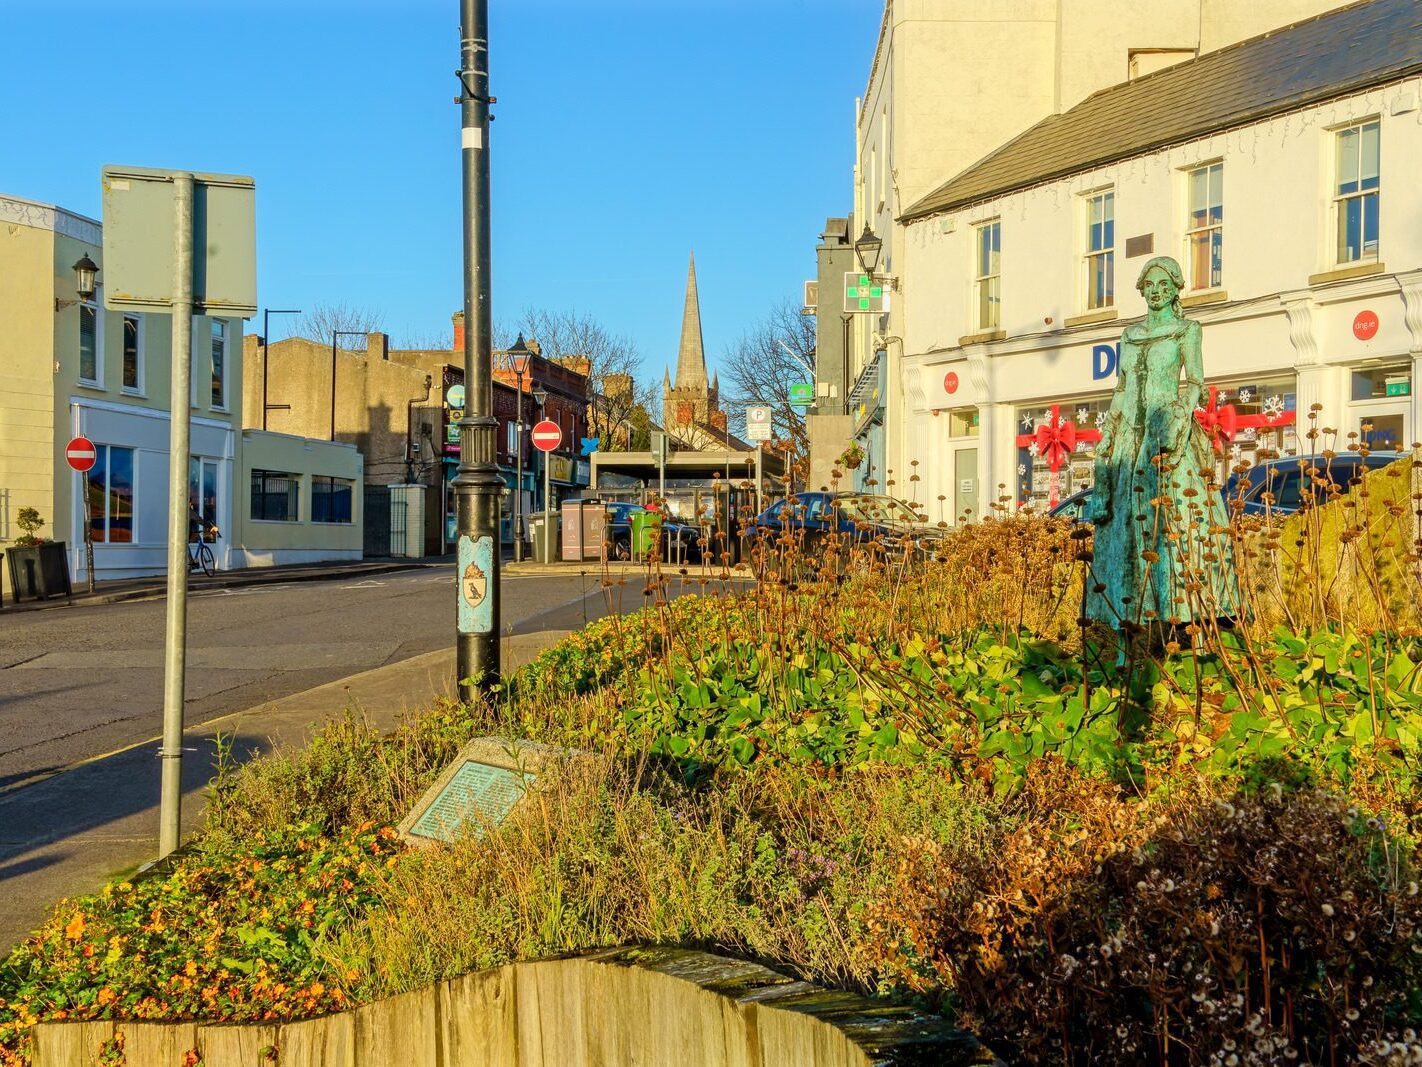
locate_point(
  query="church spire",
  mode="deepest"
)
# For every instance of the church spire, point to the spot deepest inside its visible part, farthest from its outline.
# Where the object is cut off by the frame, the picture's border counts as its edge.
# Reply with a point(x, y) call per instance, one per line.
point(691, 357)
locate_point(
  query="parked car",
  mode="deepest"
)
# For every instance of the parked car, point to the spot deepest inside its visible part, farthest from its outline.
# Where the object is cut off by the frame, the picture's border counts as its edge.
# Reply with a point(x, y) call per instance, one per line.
point(1074, 506)
point(1282, 479)
point(1285, 485)
point(847, 518)
point(680, 542)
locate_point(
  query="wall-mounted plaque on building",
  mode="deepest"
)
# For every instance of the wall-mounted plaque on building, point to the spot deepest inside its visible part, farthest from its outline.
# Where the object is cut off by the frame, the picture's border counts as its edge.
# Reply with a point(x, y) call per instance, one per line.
point(478, 790)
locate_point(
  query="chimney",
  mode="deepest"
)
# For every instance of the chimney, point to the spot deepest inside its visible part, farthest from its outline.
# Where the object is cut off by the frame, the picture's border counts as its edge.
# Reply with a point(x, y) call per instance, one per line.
point(377, 346)
point(459, 331)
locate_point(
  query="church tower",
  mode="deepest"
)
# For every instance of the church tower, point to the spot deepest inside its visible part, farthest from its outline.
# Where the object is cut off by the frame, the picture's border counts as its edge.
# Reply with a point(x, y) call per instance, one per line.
point(693, 399)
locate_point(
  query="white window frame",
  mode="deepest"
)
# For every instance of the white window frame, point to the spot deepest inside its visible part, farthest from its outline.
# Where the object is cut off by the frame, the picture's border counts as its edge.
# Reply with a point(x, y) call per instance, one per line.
point(1192, 231)
point(96, 306)
point(108, 468)
point(988, 276)
point(511, 436)
point(1107, 252)
point(140, 339)
point(220, 330)
point(1339, 200)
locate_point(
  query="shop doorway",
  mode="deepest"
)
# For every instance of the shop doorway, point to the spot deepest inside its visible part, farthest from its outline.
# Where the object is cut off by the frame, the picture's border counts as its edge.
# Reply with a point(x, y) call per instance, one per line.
point(965, 485)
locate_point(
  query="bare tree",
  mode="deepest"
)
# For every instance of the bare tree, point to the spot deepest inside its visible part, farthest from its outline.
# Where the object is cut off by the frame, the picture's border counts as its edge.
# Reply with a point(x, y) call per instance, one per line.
point(323, 320)
point(617, 400)
point(760, 368)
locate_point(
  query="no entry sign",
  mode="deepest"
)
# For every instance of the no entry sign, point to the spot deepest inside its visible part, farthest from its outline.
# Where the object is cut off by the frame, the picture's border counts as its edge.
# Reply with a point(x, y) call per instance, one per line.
point(547, 436)
point(81, 454)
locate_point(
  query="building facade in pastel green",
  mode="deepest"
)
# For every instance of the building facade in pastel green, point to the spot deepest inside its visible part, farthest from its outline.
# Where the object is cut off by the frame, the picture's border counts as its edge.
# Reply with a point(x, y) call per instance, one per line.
point(72, 368)
point(69, 367)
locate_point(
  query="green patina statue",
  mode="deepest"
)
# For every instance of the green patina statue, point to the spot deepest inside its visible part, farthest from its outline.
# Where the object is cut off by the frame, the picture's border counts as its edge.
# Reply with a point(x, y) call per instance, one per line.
point(1162, 554)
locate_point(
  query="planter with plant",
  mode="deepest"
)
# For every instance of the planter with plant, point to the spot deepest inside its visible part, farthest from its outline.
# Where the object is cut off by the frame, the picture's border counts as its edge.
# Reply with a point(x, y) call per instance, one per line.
point(38, 568)
point(852, 456)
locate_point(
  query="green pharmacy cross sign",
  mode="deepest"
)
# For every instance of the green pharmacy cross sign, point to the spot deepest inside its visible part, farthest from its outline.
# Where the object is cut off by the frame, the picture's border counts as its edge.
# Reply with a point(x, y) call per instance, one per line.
point(865, 293)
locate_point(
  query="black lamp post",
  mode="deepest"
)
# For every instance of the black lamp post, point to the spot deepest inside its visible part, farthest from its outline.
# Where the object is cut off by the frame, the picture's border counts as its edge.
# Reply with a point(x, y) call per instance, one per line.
point(518, 355)
point(540, 397)
point(335, 334)
point(267, 351)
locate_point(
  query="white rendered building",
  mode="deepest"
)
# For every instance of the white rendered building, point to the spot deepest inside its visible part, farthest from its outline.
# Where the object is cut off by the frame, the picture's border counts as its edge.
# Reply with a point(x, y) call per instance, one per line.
point(1280, 172)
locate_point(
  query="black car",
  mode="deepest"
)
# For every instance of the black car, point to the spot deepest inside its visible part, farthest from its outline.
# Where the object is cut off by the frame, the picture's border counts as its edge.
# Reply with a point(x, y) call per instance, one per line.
point(680, 542)
point(847, 518)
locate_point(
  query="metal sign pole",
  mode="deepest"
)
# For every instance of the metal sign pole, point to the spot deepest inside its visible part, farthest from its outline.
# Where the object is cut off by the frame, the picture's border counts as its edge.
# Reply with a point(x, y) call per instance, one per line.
point(477, 485)
point(175, 651)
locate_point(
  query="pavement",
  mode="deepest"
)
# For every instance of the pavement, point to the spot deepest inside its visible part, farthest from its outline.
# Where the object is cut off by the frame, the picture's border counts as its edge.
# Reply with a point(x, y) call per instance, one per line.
point(121, 590)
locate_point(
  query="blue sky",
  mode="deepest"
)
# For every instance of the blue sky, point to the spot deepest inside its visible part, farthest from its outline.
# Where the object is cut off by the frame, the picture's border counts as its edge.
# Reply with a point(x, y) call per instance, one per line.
point(626, 134)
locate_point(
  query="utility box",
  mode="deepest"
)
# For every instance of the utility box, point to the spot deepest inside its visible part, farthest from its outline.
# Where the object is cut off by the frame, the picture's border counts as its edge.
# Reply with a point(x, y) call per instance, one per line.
point(584, 526)
point(543, 528)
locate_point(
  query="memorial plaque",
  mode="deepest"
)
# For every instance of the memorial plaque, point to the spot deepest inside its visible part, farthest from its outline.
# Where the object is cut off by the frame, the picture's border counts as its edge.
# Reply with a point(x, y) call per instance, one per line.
point(478, 790)
point(477, 795)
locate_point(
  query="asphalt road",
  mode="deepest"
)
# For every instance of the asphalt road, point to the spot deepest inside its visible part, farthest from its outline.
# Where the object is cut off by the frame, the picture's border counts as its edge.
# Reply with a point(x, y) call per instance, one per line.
point(76, 683)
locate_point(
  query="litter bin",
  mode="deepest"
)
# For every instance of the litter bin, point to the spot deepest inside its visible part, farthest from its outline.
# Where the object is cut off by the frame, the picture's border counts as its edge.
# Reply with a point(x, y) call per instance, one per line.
point(584, 526)
point(543, 528)
point(644, 528)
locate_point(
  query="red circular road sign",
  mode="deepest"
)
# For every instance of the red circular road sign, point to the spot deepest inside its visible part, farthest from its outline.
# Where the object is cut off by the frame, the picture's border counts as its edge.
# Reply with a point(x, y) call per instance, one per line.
point(81, 454)
point(547, 436)
point(1365, 325)
point(950, 383)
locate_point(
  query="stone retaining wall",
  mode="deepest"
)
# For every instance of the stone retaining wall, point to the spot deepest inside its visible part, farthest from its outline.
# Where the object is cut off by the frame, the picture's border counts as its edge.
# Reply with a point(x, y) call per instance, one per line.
point(656, 1007)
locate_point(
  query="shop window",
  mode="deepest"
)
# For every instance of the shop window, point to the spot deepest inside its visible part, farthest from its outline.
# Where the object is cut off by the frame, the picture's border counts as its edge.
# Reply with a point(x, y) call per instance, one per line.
point(89, 344)
point(108, 491)
point(988, 280)
point(1379, 383)
point(1205, 226)
point(1100, 258)
point(1034, 473)
point(1356, 191)
point(132, 354)
point(331, 499)
point(1274, 398)
point(276, 496)
point(1382, 432)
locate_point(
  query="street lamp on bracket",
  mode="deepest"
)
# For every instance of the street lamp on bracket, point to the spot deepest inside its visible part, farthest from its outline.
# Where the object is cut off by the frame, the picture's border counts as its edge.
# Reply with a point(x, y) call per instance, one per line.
point(867, 249)
point(85, 286)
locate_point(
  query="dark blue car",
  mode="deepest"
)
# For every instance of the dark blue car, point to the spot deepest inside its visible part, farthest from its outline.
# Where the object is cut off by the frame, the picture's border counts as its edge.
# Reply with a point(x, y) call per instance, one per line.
point(1279, 486)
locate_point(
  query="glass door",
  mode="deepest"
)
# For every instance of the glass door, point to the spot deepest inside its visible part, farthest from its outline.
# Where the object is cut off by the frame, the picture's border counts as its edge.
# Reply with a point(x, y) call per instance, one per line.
point(202, 492)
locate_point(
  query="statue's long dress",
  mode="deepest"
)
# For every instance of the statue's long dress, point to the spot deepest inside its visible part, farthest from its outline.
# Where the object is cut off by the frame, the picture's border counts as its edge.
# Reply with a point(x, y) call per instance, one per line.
point(1161, 547)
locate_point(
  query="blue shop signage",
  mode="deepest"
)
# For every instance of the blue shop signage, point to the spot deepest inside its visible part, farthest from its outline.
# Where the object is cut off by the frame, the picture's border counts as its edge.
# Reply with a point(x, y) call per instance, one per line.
point(1103, 361)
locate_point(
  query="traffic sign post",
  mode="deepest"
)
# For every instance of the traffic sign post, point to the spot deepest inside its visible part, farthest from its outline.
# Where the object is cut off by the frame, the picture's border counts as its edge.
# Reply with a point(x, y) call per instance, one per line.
point(81, 455)
point(547, 435)
point(185, 243)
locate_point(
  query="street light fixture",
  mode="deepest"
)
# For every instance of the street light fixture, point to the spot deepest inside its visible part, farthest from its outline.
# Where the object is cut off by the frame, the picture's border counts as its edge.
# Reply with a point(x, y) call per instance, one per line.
point(335, 334)
point(518, 355)
point(85, 286)
point(267, 350)
point(867, 249)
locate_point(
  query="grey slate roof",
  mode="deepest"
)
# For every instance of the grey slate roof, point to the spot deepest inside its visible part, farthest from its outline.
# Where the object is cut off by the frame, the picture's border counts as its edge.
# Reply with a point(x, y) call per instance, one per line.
point(1330, 55)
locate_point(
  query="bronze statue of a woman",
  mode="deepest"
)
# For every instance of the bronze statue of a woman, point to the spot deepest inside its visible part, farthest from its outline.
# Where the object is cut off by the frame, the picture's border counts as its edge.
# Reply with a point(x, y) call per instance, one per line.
point(1162, 550)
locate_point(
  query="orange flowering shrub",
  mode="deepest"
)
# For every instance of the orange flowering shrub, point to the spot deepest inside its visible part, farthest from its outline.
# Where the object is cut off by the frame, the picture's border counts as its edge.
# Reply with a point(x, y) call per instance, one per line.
point(221, 935)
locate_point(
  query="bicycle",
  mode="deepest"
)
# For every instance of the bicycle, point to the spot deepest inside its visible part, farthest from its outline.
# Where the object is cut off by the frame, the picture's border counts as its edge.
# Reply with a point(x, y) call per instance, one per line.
point(200, 555)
